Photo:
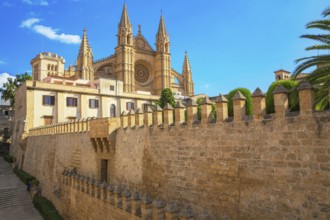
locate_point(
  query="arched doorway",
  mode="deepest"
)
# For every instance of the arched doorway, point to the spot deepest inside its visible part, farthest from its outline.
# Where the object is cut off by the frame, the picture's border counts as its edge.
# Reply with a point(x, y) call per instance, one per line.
point(112, 111)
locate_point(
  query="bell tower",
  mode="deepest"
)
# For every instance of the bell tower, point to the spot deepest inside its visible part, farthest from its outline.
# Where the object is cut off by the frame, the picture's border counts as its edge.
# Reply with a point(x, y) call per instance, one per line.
point(125, 52)
point(163, 59)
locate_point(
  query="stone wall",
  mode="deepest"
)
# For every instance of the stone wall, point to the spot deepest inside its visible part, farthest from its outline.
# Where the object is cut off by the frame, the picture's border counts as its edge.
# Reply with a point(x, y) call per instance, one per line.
point(261, 167)
point(48, 155)
point(270, 169)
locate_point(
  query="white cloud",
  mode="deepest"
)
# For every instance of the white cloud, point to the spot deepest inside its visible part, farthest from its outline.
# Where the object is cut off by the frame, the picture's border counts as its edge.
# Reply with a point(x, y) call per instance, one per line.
point(49, 32)
point(29, 22)
point(4, 77)
point(36, 2)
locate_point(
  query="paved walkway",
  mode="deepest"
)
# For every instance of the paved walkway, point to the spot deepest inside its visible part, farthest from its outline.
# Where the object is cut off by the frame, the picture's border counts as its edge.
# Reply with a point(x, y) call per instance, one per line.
point(15, 201)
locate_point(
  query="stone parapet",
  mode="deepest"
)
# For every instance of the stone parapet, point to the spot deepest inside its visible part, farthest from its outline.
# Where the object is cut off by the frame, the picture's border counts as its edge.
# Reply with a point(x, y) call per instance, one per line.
point(119, 201)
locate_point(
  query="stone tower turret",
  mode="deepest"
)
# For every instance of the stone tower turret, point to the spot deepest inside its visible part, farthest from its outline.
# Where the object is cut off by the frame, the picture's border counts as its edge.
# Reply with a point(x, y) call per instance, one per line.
point(125, 53)
point(47, 64)
point(163, 59)
point(84, 63)
point(188, 84)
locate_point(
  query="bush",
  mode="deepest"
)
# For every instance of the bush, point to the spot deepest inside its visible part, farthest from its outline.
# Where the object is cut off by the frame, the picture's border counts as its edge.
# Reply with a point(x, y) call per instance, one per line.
point(248, 103)
point(24, 177)
point(46, 208)
point(9, 158)
point(293, 96)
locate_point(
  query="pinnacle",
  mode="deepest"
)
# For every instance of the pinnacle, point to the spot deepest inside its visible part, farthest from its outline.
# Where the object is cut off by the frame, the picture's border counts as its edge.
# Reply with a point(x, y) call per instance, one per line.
point(186, 69)
point(258, 93)
point(280, 89)
point(161, 28)
point(124, 21)
point(239, 96)
point(221, 98)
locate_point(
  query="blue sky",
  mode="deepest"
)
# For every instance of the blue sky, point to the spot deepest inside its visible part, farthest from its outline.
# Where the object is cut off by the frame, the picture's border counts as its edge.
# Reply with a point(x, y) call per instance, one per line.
point(237, 43)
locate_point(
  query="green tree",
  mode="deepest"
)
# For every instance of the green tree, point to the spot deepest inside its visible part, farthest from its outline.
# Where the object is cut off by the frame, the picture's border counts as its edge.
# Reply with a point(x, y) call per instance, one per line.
point(248, 102)
point(9, 88)
point(320, 76)
point(291, 86)
point(166, 97)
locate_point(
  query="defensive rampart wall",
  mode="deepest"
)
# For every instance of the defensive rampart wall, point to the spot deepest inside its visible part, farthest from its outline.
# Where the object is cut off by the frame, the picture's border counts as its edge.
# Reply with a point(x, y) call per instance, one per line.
point(258, 167)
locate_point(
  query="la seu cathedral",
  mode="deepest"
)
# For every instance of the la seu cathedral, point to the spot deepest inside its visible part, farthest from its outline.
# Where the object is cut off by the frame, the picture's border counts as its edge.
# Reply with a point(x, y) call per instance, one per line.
point(135, 63)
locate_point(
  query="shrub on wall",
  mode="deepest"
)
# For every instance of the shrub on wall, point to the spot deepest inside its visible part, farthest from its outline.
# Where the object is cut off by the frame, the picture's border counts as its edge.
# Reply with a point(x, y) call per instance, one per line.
point(24, 177)
point(293, 96)
point(248, 103)
point(46, 208)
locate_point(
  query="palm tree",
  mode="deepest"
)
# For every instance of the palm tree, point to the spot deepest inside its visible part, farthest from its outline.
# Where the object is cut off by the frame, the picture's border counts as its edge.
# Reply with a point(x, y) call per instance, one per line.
point(320, 76)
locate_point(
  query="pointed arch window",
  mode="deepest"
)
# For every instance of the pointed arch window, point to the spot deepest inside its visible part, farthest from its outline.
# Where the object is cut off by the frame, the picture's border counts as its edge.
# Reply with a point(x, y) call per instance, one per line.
point(112, 111)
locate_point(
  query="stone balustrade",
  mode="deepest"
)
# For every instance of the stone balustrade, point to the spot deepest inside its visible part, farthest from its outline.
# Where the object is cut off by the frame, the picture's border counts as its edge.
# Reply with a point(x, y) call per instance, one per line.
point(77, 126)
point(139, 206)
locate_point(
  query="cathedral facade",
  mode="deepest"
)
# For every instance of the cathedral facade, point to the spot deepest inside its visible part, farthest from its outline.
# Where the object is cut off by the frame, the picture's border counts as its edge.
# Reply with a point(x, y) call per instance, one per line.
point(135, 63)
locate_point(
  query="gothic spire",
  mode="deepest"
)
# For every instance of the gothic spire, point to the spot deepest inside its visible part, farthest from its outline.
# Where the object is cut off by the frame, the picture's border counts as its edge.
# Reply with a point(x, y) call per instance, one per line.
point(84, 62)
point(186, 70)
point(124, 21)
point(84, 46)
point(161, 28)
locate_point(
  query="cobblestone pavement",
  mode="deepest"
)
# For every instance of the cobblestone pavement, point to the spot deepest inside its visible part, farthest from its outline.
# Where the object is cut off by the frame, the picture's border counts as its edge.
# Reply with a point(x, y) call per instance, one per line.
point(15, 201)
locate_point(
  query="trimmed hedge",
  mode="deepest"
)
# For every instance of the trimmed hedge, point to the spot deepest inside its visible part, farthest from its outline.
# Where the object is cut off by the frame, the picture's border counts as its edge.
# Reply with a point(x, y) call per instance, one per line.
point(248, 102)
point(8, 158)
point(24, 177)
point(293, 96)
point(46, 208)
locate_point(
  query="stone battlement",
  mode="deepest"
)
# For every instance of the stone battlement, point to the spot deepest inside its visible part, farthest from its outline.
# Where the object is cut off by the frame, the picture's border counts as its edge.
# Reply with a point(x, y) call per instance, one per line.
point(130, 204)
point(164, 117)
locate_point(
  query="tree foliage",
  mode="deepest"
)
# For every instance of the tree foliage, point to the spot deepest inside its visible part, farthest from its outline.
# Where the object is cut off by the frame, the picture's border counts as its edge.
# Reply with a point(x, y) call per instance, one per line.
point(8, 89)
point(166, 97)
point(320, 76)
point(293, 96)
point(248, 104)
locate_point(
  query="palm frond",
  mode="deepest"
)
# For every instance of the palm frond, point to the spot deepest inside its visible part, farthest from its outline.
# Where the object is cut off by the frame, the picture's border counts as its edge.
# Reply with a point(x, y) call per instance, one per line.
point(319, 47)
point(326, 12)
point(310, 62)
point(320, 37)
point(320, 24)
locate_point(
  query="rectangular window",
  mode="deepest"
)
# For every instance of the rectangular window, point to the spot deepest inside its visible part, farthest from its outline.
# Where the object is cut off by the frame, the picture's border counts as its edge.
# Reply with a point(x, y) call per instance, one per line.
point(145, 106)
point(129, 106)
point(71, 102)
point(48, 100)
point(48, 120)
point(112, 88)
point(93, 103)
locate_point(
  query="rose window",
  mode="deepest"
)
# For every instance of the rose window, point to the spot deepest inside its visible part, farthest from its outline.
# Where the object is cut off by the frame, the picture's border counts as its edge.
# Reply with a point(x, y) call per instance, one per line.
point(141, 73)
